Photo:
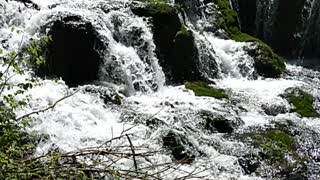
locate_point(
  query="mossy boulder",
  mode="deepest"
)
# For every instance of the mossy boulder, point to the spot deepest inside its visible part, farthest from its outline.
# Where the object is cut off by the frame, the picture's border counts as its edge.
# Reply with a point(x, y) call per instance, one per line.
point(266, 62)
point(277, 151)
point(203, 89)
point(302, 101)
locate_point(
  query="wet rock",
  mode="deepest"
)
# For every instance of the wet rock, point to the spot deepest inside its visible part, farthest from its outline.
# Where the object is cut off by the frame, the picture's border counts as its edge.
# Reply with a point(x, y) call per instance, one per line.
point(280, 150)
point(74, 51)
point(176, 144)
point(183, 58)
point(274, 109)
point(218, 123)
point(266, 62)
point(249, 163)
point(302, 101)
point(175, 46)
point(154, 122)
point(108, 95)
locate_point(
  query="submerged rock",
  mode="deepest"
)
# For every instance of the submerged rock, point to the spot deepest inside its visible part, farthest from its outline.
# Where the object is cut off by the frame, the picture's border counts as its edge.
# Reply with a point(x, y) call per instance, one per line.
point(218, 123)
point(274, 109)
point(74, 51)
point(176, 144)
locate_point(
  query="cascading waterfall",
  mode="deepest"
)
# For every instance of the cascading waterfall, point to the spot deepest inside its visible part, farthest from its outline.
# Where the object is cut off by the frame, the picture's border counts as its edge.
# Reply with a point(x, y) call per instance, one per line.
point(130, 66)
point(288, 27)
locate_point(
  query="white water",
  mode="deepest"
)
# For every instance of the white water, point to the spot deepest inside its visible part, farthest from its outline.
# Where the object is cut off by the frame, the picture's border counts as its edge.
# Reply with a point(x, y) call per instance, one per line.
point(83, 120)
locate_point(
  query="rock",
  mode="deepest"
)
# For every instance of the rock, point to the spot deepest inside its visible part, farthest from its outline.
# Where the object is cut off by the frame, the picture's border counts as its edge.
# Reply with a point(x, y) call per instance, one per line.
point(183, 58)
point(175, 46)
point(108, 95)
point(74, 52)
point(176, 144)
point(218, 123)
point(266, 62)
point(154, 123)
point(281, 150)
point(302, 101)
point(249, 163)
point(274, 109)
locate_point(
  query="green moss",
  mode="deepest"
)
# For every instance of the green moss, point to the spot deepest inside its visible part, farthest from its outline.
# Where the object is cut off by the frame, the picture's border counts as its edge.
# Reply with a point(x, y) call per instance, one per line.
point(203, 89)
point(155, 9)
point(275, 146)
point(229, 21)
point(303, 103)
point(184, 33)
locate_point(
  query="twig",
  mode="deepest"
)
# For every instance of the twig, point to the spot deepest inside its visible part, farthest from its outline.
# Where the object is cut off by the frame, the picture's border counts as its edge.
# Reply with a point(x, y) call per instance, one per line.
point(133, 154)
point(47, 108)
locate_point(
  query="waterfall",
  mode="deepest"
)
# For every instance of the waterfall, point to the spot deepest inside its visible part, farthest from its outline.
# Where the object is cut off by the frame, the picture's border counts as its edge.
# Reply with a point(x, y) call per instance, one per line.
point(151, 110)
point(288, 27)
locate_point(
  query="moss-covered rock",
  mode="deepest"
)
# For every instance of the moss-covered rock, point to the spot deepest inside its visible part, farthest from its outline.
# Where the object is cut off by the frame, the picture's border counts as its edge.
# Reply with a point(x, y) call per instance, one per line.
point(277, 152)
point(203, 89)
point(266, 62)
point(302, 101)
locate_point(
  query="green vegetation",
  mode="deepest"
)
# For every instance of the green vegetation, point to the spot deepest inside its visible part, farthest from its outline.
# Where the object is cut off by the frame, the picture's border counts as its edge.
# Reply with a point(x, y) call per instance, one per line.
point(275, 147)
point(184, 33)
point(269, 64)
point(303, 103)
point(36, 51)
point(230, 21)
point(203, 89)
point(156, 9)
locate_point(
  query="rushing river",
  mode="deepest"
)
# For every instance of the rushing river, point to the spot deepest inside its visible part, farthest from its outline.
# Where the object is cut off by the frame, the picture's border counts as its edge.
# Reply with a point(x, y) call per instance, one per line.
point(85, 120)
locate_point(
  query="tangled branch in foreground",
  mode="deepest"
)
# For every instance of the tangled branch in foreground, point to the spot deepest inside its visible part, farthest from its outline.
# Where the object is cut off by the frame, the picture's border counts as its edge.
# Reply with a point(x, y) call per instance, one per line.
point(108, 161)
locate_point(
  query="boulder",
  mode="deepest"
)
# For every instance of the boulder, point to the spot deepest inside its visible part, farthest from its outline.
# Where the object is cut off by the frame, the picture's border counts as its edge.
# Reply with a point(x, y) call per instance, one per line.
point(302, 101)
point(281, 150)
point(219, 123)
point(74, 54)
point(175, 46)
point(266, 62)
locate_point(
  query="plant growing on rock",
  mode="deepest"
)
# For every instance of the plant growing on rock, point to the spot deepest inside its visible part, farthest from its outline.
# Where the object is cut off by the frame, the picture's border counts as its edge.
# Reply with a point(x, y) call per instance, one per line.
point(302, 101)
point(203, 89)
